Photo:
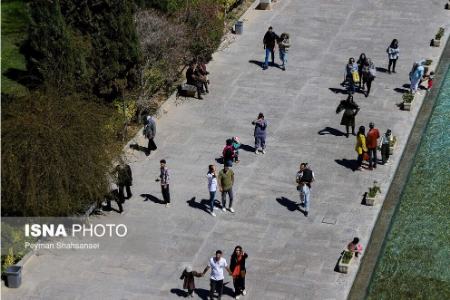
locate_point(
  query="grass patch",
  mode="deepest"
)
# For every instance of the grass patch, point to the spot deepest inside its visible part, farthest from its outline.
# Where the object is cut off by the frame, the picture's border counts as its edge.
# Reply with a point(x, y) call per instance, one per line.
point(14, 30)
point(414, 261)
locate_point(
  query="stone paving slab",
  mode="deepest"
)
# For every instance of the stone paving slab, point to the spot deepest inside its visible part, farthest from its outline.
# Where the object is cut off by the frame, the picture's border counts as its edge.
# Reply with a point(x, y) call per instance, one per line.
point(291, 257)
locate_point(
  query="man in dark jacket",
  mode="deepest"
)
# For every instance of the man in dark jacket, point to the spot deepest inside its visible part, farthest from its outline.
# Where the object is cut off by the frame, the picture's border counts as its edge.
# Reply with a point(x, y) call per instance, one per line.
point(124, 180)
point(269, 41)
point(192, 78)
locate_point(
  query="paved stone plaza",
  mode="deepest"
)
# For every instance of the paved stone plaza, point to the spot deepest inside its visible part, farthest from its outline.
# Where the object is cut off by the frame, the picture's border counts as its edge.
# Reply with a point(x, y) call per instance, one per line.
point(290, 256)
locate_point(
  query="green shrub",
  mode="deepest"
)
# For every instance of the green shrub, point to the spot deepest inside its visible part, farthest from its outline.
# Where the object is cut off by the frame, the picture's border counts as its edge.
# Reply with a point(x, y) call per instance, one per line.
point(56, 150)
point(408, 97)
point(374, 190)
point(440, 33)
point(348, 255)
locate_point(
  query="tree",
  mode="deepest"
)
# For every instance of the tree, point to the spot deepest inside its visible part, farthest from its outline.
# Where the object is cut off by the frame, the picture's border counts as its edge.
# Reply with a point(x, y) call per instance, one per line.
point(56, 154)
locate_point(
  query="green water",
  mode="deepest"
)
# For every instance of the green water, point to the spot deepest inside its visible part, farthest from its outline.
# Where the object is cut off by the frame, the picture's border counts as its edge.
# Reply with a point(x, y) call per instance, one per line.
point(415, 263)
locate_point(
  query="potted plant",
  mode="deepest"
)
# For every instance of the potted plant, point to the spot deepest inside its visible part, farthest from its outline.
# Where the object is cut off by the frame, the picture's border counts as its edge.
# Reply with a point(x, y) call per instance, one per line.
point(344, 261)
point(392, 144)
point(436, 42)
point(428, 62)
point(372, 194)
point(407, 100)
point(264, 4)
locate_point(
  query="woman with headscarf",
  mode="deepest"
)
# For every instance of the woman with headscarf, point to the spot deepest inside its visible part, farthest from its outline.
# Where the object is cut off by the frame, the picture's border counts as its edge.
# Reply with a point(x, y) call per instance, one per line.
point(360, 146)
point(350, 109)
point(368, 75)
point(393, 52)
point(238, 271)
point(415, 76)
point(362, 62)
point(350, 69)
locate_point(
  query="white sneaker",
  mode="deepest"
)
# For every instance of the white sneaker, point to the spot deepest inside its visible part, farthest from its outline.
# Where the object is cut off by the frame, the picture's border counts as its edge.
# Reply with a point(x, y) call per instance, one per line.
point(263, 152)
point(244, 292)
point(256, 152)
point(231, 209)
point(167, 204)
point(213, 214)
point(215, 207)
point(237, 297)
point(224, 209)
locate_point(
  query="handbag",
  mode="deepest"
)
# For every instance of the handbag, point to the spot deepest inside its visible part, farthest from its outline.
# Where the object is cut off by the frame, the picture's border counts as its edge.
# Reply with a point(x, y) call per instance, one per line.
point(365, 156)
point(355, 76)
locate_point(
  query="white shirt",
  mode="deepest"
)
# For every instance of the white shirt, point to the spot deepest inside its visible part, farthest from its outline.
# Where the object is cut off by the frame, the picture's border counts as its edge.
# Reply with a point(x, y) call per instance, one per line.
point(217, 268)
point(212, 182)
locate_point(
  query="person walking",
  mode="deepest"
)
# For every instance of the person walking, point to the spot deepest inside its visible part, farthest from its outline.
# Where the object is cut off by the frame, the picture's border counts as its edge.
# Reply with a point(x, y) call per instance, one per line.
point(350, 109)
point(226, 182)
point(217, 264)
point(362, 62)
point(269, 41)
point(124, 180)
point(260, 133)
point(164, 180)
point(360, 146)
point(192, 78)
point(238, 271)
point(368, 75)
point(372, 143)
point(351, 75)
point(283, 46)
point(188, 276)
point(305, 177)
point(393, 52)
point(415, 76)
point(212, 187)
point(228, 153)
point(150, 133)
point(236, 146)
point(384, 145)
point(201, 71)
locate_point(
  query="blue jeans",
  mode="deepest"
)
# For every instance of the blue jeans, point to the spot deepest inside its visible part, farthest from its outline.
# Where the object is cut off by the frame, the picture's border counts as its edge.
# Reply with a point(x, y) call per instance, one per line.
point(212, 196)
point(260, 142)
point(269, 51)
point(304, 196)
point(283, 57)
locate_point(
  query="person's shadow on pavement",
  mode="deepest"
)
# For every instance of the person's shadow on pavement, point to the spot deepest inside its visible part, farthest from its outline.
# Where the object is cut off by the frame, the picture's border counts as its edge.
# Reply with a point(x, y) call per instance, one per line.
point(202, 205)
point(348, 163)
point(332, 131)
point(256, 62)
point(148, 197)
point(247, 148)
point(290, 205)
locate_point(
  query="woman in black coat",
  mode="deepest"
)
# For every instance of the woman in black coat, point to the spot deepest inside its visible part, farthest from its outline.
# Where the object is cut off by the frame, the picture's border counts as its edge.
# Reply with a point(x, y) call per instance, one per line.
point(238, 270)
point(350, 109)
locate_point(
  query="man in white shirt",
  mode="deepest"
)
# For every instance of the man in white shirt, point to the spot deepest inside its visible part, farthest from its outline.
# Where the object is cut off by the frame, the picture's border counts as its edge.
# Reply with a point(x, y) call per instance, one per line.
point(217, 264)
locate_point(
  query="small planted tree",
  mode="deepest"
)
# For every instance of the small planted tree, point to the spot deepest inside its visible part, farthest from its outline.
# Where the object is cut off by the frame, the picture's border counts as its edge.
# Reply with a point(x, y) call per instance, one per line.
point(372, 193)
point(407, 100)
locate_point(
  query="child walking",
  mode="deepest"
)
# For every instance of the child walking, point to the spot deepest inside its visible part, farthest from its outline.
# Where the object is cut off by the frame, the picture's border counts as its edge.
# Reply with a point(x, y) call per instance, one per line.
point(236, 146)
point(188, 276)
